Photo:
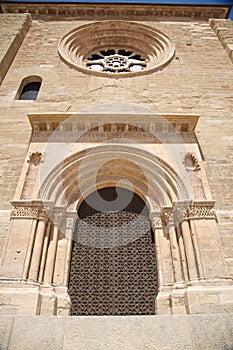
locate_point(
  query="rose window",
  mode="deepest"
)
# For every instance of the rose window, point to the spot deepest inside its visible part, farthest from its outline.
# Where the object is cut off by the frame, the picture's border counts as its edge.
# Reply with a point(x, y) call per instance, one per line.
point(116, 48)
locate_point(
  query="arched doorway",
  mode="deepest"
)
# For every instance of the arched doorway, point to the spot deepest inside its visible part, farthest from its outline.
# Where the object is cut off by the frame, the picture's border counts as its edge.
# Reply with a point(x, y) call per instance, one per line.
point(113, 265)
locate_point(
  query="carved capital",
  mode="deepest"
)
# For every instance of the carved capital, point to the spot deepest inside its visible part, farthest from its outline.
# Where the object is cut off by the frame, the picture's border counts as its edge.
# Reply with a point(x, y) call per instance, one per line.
point(43, 214)
point(57, 218)
point(156, 222)
point(70, 222)
point(180, 212)
point(166, 216)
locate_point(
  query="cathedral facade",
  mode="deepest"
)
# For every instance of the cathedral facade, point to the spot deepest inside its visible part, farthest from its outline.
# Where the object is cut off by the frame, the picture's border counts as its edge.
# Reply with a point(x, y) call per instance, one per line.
point(116, 152)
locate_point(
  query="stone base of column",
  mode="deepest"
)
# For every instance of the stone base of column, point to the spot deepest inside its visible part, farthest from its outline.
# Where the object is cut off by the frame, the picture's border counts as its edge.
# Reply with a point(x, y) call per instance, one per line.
point(31, 298)
point(212, 296)
point(196, 297)
point(19, 298)
point(163, 303)
point(178, 305)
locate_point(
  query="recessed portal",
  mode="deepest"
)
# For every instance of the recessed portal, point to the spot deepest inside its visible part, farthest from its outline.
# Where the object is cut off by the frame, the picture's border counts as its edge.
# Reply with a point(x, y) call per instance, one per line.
point(113, 267)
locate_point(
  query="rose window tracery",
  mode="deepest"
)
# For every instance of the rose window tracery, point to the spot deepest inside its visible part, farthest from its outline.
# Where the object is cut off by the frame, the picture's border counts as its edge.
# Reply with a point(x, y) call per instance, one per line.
point(116, 61)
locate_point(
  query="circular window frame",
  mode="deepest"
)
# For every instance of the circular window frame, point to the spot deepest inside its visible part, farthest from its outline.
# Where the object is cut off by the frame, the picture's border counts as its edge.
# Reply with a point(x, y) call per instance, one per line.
point(154, 46)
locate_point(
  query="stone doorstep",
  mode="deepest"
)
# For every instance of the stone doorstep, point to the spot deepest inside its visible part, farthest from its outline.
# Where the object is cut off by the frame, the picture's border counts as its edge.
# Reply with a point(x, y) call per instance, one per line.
point(182, 332)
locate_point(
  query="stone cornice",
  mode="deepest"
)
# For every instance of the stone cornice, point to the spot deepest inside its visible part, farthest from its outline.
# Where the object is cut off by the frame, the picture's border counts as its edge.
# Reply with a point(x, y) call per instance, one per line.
point(98, 127)
point(116, 11)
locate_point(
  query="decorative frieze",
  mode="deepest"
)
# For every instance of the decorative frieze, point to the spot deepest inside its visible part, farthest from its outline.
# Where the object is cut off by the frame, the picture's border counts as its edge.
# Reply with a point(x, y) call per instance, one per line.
point(202, 210)
point(30, 210)
point(117, 11)
point(185, 211)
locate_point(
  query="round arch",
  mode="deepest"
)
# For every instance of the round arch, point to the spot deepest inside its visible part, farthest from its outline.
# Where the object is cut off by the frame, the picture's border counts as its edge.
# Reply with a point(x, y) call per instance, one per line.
point(133, 168)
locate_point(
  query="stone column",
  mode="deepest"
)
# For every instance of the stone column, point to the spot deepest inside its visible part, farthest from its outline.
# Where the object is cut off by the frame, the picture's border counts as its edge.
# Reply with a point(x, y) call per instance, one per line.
point(163, 251)
point(182, 254)
point(52, 249)
point(196, 248)
point(164, 266)
point(171, 229)
point(191, 260)
point(64, 247)
point(30, 248)
point(44, 252)
point(37, 249)
point(70, 226)
point(203, 223)
point(62, 266)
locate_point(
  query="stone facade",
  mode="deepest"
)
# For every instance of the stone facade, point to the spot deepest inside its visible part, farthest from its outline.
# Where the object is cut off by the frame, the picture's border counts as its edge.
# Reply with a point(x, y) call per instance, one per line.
point(168, 133)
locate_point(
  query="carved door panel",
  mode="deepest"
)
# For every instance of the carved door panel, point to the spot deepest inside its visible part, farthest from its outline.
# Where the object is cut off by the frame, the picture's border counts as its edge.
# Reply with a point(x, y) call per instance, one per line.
point(113, 267)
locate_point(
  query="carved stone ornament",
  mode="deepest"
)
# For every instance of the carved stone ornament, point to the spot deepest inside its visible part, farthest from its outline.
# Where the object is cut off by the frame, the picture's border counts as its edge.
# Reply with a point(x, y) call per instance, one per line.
point(29, 211)
point(166, 215)
point(35, 158)
point(57, 218)
point(185, 211)
point(156, 222)
point(23, 209)
point(179, 215)
point(70, 223)
point(202, 210)
point(190, 162)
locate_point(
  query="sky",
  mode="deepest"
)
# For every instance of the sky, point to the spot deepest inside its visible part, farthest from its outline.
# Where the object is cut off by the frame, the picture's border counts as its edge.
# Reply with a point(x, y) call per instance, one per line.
point(180, 2)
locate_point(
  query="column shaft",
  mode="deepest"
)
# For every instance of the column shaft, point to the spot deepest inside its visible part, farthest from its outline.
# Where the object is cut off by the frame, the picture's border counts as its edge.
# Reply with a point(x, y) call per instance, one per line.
point(196, 248)
point(37, 250)
point(192, 268)
point(69, 244)
point(30, 248)
point(175, 254)
point(44, 252)
point(51, 256)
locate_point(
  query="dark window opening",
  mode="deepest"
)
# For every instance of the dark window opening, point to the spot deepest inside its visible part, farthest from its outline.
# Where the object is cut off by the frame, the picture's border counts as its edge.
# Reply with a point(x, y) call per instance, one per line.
point(30, 91)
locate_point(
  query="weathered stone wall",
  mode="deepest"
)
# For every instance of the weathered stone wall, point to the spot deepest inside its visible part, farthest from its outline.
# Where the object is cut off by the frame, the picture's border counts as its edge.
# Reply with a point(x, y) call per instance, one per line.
point(12, 32)
point(13, 28)
point(199, 80)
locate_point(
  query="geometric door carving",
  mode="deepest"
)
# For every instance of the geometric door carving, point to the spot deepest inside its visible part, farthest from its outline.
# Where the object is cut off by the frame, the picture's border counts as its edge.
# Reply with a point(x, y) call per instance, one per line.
point(113, 266)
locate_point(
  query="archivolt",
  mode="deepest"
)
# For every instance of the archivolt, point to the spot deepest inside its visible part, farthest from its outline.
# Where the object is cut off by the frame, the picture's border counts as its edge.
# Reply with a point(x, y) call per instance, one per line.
point(107, 165)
